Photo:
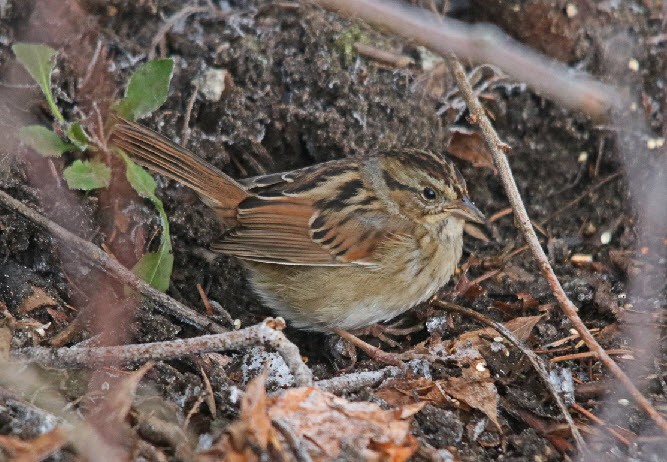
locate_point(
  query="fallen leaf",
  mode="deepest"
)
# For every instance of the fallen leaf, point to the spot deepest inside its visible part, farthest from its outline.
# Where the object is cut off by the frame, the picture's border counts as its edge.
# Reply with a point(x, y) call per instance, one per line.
point(475, 386)
point(252, 430)
point(120, 397)
point(401, 392)
point(521, 327)
point(528, 300)
point(325, 421)
point(38, 448)
point(36, 299)
point(468, 145)
point(5, 343)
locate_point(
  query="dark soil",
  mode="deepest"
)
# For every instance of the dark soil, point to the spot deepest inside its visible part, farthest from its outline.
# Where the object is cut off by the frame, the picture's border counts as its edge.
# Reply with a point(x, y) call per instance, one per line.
point(297, 94)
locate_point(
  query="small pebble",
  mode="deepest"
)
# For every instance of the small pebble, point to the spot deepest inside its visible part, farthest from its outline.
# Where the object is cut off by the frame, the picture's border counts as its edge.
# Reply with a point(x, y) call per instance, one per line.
point(212, 84)
point(655, 143)
point(605, 238)
point(571, 10)
point(623, 402)
point(633, 65)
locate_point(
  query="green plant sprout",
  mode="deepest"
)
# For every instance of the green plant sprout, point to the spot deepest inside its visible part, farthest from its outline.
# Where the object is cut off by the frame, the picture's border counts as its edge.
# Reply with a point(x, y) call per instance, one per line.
point(146, 91)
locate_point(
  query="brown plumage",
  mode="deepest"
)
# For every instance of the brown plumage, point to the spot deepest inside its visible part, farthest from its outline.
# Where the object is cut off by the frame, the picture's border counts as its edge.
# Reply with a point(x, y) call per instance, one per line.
point(341, 244)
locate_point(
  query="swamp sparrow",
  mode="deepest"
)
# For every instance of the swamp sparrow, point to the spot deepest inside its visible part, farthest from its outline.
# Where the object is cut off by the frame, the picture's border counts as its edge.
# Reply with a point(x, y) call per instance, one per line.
point(343, 244)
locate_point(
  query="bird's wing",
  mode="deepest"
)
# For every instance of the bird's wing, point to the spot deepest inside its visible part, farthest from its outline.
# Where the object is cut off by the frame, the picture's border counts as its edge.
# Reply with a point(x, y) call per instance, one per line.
point(318, 216)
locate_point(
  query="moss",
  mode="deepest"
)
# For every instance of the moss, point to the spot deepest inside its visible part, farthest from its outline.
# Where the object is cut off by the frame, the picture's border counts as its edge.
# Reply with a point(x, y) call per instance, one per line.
point(344, 44)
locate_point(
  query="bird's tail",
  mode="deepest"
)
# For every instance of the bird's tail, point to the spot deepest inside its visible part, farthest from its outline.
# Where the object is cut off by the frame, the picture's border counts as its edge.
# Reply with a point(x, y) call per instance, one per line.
point(157, 153)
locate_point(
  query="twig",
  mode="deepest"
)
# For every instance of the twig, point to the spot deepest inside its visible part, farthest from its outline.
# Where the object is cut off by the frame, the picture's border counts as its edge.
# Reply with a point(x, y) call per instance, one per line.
point(204, 299)
point(101, 260)
point(580, 197)
point(299, 451)
point(259, 334)
point(185, 132)
point(586, 413)
point(384, 56)
point(357, 380)
point(535, 360)
point(523, 222)
point(171, 21)
point(483, 44)
point(588, 354)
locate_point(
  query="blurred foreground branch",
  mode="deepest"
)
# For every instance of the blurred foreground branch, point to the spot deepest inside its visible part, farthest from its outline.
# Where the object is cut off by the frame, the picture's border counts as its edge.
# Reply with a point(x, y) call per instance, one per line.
point(484, 44)
point(259, 334)
point(496, 146)
point(98, 258)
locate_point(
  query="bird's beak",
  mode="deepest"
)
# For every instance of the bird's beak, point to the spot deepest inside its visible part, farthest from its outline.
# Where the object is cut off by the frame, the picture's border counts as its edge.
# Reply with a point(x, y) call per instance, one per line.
point(466, 209)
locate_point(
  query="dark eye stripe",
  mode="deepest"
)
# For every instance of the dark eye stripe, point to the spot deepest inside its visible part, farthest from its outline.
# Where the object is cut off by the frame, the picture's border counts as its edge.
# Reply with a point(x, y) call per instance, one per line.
point(394, 184)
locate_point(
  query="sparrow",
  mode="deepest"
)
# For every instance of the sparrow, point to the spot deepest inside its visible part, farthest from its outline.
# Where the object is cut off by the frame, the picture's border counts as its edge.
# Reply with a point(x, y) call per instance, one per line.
point(342, 244)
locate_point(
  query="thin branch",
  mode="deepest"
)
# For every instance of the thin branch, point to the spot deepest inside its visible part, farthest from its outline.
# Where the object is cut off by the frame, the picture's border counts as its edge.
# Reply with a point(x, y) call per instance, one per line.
point(110, 266)
point(535, 360)
point(495, 145)
point(259, 334)
point(484, 44)
point(298, 449)
point(357, 380)
point(171, 22)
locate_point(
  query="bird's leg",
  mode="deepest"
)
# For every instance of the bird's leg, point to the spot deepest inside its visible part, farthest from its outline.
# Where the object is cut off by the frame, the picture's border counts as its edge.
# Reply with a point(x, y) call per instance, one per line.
point(370, 350)
point(382, 331)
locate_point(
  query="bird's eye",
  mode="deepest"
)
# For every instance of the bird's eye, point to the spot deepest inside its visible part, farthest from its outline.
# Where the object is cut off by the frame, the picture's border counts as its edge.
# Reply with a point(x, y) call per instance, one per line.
point(428, 193)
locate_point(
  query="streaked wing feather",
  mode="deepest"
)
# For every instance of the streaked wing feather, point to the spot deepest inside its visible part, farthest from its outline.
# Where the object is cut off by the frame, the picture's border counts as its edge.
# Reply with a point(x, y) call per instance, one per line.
point(309, 217)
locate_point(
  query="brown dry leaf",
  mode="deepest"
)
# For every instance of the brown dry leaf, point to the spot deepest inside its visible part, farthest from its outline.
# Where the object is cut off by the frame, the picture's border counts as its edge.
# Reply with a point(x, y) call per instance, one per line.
point(119, 400)
point(37, 298)
point(468, 145)
point(475, 386)
point(400, 392)
point(253, 429)
point(521, 327)
point(325, 422)
point(528, 300)
point(35, 449)
point(5, 343)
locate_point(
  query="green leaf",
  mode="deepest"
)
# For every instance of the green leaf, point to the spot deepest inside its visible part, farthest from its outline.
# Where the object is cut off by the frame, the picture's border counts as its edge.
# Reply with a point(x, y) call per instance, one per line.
point(44, 141)
point(142, 182)
point(39, 60)
point(147, 90)
point(155, 268)
point(87, 175)
point(77, 135)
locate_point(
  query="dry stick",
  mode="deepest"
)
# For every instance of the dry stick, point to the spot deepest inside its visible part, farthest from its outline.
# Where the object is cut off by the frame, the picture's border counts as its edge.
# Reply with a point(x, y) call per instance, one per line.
point(522, 220)
point(585, 412)
point(101, 260)
point(483, 44)
point(299, 451)
point(574, 201)
point(357, 380)
point(259, 334)
point(172, 20)
point(535, 360)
